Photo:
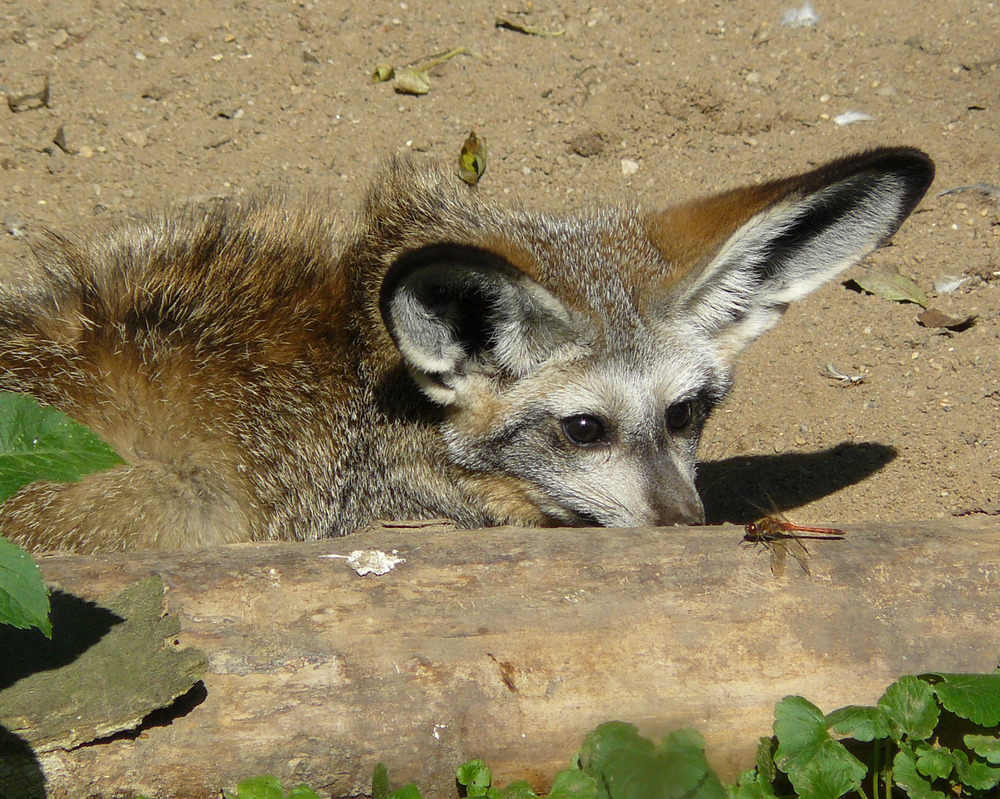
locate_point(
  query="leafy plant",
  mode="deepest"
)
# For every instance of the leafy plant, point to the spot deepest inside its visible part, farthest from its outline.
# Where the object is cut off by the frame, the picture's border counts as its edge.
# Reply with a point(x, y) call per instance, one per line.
point(924, 737)
point(627, 766)
point(24, 599)
point(38, 443)
point(907, 742)
point(41, 443)
point(268, 788)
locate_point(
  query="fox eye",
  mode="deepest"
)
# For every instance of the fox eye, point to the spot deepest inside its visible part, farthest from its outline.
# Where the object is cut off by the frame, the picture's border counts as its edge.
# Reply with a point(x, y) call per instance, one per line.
point(679, 415)
point(583, 430)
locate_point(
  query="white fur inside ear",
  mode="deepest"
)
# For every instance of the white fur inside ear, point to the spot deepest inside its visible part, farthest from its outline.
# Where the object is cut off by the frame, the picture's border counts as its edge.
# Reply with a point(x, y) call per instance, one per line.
point(846, 241)
point(464, 313)
point(528, 326)
point(435, 391)
point(429, 344)
point(788, 251)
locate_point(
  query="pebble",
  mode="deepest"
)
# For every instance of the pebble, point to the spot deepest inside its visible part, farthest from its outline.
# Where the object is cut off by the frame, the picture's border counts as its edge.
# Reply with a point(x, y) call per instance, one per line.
point(587, 145)
point(137, 138)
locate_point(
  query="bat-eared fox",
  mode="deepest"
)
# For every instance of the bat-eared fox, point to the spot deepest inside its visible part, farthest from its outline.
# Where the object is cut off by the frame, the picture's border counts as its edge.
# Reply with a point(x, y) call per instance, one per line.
point(266, 375)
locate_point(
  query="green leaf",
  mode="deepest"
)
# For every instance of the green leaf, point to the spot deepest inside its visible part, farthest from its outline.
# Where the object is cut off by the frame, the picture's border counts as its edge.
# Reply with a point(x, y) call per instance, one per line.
point(406, 792)
point(571, 783)
point(831, 773)
point(380, 782)
point(890, 285)
point(266, 787)
point(606, 740)
point(904, 774)
point(475, 776)
point(801, 729)
point(752, 790)
point(975, 697)
point(910, 708)
point(627, 766)
point(752, 784)
point(302, 792)
point(24, 599)
point(863, 723)
point(985, 746)
point(976, 773)
point(765, 759)
point(817, 766)
point(516, 790)
point(39, 443)
point(934, 763)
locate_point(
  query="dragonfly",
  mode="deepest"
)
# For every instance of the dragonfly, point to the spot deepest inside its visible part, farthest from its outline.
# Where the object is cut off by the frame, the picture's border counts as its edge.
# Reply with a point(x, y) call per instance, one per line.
point(780, 537)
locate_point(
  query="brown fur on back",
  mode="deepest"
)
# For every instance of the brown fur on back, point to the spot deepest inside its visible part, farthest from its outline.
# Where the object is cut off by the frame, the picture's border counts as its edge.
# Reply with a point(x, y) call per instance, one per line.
point(187, 341)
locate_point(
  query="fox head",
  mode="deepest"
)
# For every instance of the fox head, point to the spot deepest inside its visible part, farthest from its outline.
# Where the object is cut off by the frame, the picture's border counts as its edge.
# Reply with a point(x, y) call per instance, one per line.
point(576, 359)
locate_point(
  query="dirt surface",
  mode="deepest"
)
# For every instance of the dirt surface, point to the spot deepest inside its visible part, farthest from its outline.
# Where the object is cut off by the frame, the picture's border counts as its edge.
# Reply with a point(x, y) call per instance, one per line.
point(159, 102)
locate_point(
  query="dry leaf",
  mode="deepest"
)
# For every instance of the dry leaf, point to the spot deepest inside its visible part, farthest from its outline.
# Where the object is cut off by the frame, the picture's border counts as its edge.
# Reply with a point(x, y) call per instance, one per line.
point(412, 81)
point(932, 317)
point(439, 59)
point(472, 159)
point(29, 102)
point(59, 140)
point(891, 286)
point(382, 73)
point(531, 30)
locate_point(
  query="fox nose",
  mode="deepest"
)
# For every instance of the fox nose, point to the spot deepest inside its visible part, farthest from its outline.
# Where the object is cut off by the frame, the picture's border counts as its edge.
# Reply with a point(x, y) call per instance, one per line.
point(674, 500)
point(681, 510)
point(672, 497)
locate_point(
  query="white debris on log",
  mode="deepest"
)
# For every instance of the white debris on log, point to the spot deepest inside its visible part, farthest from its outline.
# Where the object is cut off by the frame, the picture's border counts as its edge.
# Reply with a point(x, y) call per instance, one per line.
point(370, 561)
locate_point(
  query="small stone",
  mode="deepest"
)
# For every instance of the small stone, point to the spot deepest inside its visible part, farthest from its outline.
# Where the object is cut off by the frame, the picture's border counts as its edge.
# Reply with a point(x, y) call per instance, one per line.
point(136, 138)
point(587, 145)
point(629, 167)
point(155, 92)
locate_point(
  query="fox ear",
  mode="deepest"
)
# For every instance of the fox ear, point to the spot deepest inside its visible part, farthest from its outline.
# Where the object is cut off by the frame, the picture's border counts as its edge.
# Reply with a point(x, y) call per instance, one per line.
point(742, 256)
point(456, 311)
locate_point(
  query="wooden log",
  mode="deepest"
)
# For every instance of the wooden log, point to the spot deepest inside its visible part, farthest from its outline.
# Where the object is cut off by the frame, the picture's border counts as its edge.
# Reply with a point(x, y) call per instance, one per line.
point(511, 644)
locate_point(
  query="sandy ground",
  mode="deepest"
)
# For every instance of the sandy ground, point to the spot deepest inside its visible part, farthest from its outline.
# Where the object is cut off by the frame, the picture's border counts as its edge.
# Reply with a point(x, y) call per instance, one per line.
point(163, 101)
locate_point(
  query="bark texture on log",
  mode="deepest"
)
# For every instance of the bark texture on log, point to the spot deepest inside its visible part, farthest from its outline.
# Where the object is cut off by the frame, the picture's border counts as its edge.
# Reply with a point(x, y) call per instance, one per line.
point(511, 644)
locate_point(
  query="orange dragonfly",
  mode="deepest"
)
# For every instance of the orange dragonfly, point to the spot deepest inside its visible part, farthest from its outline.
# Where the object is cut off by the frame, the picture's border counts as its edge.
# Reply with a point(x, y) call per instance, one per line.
point(779, 537)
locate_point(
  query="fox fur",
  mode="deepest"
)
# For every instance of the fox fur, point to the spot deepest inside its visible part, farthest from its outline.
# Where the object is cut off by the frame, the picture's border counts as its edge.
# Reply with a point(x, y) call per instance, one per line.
point(264, 376)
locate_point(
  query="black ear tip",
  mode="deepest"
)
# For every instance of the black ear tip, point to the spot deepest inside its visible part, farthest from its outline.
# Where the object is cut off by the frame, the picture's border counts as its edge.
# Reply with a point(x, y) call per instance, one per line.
point(915, 166)
point(912, 169)
point(916, 169)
